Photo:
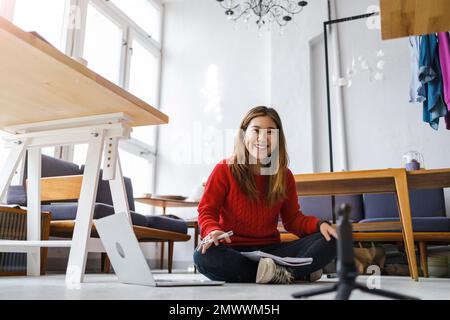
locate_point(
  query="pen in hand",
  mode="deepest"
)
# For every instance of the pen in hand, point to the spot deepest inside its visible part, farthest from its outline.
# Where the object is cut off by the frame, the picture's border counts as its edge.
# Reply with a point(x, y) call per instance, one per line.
point(223, 235)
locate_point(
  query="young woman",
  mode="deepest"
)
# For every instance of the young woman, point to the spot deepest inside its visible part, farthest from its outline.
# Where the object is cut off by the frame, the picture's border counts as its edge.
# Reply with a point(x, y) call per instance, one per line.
point(247, 194)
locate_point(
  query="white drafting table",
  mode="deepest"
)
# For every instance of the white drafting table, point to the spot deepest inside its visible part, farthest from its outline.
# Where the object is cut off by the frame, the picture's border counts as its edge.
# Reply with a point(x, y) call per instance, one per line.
point(49, 99)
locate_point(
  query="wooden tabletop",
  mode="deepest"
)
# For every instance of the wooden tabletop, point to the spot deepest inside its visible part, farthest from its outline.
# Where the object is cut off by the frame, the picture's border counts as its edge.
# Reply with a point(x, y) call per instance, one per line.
point(40, 83)
point(429, 179)
point(166, 203)
point(367, 181)
point(399, 181)
point(403, 18)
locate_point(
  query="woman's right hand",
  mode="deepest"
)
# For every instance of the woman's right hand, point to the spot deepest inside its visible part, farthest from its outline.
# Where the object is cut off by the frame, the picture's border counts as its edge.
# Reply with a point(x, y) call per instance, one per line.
point(206, 243)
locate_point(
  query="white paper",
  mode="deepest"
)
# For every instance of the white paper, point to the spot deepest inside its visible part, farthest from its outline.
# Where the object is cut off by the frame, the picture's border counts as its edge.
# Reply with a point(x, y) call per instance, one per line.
point(284, 261)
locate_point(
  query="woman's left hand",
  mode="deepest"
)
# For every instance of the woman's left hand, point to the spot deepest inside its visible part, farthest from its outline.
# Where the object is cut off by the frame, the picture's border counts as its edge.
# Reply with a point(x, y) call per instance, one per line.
point(327, 231)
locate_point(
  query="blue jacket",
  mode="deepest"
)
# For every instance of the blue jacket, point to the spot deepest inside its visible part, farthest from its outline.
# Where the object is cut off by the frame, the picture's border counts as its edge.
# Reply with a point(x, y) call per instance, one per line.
point(431, 78)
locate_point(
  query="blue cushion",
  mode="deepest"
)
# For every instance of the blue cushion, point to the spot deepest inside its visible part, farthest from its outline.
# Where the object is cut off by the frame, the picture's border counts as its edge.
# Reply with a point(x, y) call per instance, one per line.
point(61, 211)
point(68, 211)
point(320, 206)
point(424, 203)
point(167, 222)
point(17, 195)
point(420, 224)
point(52, 167)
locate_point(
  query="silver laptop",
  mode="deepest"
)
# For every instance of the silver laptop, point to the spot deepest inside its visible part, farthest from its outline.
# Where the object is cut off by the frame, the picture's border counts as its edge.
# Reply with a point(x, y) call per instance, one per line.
point(127, 258)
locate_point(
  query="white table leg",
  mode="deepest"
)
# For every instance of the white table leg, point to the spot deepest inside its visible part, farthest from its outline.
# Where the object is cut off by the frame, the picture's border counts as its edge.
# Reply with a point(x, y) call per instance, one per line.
point(6, 174)
point(112, 171)
point(118, 191)
point(34, 210)
point(110, 158)
point(82, 231)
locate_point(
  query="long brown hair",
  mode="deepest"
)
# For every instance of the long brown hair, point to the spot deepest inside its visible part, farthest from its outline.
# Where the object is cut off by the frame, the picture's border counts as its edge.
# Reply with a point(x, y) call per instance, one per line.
point(242, 170)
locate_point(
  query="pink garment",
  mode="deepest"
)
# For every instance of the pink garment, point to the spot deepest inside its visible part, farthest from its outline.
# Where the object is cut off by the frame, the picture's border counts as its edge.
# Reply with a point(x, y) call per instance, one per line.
point(444, 58)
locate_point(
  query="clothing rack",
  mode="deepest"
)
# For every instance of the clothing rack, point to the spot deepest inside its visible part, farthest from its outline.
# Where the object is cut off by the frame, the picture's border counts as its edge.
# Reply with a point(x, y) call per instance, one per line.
point(326, 26)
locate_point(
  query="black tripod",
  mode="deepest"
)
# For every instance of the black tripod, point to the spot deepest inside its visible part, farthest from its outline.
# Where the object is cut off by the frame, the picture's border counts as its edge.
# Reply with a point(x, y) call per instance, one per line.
point(346, 268)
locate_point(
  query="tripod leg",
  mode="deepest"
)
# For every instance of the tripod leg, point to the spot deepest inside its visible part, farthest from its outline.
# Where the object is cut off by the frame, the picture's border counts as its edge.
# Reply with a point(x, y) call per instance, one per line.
point(384, 293)
point(344, 290)
point(314, 292)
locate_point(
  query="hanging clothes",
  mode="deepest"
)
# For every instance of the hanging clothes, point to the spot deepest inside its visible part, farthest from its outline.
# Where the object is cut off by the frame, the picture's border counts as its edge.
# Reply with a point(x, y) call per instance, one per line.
point(444, 59)
point(415, 84)
point(430, 76)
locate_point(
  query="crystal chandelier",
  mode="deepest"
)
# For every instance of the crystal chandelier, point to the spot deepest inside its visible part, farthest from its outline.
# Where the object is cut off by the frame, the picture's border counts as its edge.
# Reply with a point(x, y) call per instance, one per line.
point(266, 11)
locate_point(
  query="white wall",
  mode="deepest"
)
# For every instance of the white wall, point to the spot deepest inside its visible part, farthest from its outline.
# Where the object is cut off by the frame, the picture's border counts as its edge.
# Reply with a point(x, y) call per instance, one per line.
point(212, 75)
point(291, 81)
point(208, 64)
point(381, 125)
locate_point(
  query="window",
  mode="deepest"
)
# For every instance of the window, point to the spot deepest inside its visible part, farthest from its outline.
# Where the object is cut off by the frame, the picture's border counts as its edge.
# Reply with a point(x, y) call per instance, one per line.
point(6, 9)
point(44, 16)
point(49, 151)
point(4, 152)
point(79, 154)
point(144, 13)
point(103, 45)
point(144, 84)
point(143, 73)
point(139, 170)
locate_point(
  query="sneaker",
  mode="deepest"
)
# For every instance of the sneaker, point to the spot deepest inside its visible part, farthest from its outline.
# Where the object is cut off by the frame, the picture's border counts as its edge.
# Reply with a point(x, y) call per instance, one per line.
point(270, 272)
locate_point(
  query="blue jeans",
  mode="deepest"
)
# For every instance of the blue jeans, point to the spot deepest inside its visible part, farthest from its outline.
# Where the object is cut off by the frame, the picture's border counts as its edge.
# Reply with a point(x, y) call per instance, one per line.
point(225, 263)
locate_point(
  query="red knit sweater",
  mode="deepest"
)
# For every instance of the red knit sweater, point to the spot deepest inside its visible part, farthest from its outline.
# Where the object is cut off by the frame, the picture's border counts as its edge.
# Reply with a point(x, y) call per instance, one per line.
point(224, 206)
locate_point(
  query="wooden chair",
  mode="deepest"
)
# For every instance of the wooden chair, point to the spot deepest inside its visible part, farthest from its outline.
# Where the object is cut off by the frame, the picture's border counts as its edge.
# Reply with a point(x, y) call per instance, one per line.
point(13, 226)
point(67, 188)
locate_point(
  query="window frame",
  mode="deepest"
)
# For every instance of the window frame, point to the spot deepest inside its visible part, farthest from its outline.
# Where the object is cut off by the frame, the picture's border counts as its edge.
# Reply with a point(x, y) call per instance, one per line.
point(131, 29)
point(154, 51)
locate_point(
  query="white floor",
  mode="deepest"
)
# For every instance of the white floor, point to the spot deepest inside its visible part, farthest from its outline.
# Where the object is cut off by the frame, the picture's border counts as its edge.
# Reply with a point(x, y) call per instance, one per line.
point(98, 286)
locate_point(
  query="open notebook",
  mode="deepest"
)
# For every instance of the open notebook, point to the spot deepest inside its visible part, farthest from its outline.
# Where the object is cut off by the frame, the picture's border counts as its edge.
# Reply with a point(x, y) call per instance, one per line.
point(284, 261)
